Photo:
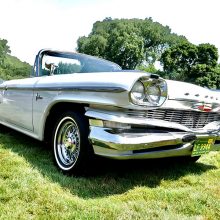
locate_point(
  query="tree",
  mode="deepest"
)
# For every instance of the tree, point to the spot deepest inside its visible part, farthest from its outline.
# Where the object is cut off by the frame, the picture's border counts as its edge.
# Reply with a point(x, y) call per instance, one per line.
point(128, 42)
point(4, 49)
point(11, 67)
point(95, 45)
point(207, 54)
point(126, 49)
point(210, 80)
point(179, 59)
point(191, 63)
point(149, 68)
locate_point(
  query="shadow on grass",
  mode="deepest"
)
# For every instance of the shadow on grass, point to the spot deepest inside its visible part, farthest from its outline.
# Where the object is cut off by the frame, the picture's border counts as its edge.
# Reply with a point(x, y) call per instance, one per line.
point(109, 177)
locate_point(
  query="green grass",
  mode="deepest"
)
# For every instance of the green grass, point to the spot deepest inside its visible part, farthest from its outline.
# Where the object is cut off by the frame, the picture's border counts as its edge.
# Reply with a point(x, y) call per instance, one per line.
point(32, 188)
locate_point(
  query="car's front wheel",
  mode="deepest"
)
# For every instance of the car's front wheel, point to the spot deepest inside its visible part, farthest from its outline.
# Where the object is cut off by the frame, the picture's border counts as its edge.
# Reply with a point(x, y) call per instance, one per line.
point(70, 143)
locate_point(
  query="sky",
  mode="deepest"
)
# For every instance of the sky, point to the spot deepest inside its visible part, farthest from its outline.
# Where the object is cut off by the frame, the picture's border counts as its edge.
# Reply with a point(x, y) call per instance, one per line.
point(31, 25)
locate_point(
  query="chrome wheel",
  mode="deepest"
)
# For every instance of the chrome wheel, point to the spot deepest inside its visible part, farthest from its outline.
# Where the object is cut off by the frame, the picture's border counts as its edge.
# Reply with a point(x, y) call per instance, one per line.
point(67, 143)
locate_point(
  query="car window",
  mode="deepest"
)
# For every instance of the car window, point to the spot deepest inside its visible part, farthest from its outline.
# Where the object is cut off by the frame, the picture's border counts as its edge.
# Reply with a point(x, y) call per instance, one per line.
point(54, 64)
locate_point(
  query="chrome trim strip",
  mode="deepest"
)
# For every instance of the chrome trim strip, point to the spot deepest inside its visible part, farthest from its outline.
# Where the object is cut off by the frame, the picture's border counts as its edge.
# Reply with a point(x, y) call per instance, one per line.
point(69, 88)
point(185, 150)
point(123, 118)
point(192, 100)
point(133, 141)
point(83, 88)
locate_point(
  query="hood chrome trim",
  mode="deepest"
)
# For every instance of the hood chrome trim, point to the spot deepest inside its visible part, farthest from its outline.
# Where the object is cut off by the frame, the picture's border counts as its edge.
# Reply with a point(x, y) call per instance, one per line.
point(68, 88)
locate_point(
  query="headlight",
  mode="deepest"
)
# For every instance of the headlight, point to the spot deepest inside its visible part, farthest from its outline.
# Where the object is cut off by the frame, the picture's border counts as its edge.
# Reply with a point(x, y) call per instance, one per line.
point(153, 93)
point(138, 91)
point(149, 92)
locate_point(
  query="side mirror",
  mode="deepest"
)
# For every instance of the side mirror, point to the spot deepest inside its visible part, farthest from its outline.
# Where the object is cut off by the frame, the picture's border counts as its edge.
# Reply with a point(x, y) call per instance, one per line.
point(51, 67)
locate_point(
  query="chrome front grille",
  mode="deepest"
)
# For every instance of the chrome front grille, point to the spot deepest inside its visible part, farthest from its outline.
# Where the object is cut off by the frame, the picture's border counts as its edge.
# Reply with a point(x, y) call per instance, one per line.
point(190, 119)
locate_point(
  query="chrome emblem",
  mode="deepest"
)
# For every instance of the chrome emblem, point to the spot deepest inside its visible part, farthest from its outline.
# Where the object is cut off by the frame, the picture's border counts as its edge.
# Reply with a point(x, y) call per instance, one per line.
point(205, 107)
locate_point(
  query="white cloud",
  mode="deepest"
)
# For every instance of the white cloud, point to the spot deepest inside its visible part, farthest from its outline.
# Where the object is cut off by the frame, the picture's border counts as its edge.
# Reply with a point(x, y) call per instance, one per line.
point(30, 25)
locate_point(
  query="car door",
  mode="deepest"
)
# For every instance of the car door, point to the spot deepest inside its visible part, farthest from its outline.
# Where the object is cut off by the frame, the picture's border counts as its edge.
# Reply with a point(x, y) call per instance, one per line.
point(17, 102)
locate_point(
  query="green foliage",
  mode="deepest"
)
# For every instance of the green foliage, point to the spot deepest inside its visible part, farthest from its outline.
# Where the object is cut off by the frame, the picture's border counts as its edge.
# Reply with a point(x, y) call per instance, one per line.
point(126, 49)
point(179, 58)
point(149, 68)
point(11, 67)
point(207, 54)
point(211, 79)
point(188, 62)
point(95, 45)
point(4, 50)
point(128, 42)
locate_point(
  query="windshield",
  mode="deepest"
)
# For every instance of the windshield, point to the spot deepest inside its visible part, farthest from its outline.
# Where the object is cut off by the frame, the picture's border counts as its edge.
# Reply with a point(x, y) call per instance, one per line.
point(54, 63)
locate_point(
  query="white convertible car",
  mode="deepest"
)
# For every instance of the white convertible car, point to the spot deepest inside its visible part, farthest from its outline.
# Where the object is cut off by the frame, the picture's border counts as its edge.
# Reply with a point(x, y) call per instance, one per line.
point(83, 105)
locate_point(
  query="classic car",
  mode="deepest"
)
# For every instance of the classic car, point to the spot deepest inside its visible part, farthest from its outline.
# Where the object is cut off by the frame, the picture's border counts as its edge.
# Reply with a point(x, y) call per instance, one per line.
point(84, 105)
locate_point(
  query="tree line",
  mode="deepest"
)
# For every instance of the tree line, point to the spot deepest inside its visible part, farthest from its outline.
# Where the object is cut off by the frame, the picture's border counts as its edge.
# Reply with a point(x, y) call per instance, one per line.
point(11, 67)
point(140, 44)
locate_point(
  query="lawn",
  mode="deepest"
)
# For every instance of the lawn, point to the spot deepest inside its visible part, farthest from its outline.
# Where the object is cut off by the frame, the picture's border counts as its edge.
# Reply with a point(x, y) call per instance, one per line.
point(32, 188)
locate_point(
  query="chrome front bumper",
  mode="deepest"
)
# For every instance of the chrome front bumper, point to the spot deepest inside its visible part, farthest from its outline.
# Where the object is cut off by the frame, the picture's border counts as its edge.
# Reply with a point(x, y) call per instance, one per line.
point(156, 142)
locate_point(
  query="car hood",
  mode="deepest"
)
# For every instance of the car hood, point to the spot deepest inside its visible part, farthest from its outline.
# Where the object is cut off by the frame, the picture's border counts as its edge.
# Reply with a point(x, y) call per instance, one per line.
point(187, 91)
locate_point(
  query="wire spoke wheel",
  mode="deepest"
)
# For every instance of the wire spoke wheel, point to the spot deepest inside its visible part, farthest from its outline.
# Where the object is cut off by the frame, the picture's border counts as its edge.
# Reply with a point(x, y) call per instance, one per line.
point(67, 142)
point(70, 143)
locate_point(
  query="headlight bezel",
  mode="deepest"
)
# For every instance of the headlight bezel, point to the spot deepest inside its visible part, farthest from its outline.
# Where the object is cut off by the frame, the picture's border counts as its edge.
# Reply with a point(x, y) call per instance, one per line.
point(157, 88)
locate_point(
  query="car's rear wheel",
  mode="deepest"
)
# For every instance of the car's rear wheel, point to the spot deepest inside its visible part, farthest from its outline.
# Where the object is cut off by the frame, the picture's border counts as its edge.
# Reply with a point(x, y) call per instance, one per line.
point(70, 143)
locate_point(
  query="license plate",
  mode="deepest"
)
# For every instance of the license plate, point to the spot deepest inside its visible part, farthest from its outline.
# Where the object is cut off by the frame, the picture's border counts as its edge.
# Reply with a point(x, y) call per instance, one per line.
point(202, 146)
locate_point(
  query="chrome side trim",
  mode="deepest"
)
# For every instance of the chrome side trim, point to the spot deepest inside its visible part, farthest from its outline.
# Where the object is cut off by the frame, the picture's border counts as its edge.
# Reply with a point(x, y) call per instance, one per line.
point(69, 88)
